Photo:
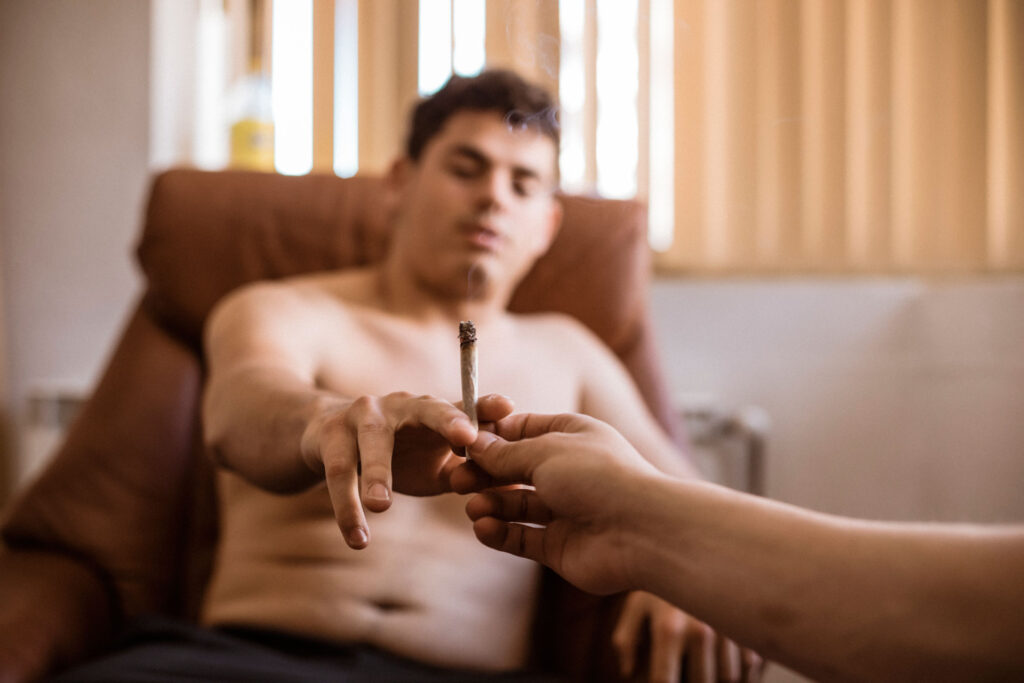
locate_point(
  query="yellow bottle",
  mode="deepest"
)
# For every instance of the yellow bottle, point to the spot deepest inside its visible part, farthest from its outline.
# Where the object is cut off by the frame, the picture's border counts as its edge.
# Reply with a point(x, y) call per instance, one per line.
point(252, 130)
point(252, 121)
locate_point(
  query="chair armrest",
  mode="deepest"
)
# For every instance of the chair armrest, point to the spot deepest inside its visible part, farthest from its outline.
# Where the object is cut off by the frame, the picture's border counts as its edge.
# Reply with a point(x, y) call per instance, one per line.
point(56, 610)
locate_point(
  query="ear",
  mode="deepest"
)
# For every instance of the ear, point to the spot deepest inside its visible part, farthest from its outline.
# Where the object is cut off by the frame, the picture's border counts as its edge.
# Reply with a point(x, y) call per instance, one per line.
point(398, 174)
point(396, 180)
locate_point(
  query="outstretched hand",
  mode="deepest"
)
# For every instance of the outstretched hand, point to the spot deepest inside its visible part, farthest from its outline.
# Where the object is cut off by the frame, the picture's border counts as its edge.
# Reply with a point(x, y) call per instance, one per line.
point(579, 468)
point(398, 442)
point(589, 487)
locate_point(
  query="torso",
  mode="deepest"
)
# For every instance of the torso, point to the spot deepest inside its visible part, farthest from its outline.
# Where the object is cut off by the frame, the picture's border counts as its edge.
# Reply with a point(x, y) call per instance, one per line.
point(424, 588)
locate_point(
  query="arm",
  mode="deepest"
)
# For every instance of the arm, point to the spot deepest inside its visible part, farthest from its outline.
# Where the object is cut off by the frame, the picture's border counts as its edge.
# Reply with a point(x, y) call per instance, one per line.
point(609, 394)
point(836, 599)
point(261, 393)
point(841, 598)
point(267, 419)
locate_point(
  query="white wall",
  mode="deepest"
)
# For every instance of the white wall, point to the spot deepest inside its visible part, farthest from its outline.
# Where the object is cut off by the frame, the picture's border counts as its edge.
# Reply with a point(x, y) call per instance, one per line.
point(891, 398)
point(73, 169)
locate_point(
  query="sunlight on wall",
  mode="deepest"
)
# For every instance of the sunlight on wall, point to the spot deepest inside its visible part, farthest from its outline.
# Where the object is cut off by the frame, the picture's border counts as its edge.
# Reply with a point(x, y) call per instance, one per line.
point(435, 44)
point(661, 190)
point(469, 31)
point(451, 40)
point(617, 121)
point(572, 94)
point(210, 136)
point(292, 78)
point(346, 88)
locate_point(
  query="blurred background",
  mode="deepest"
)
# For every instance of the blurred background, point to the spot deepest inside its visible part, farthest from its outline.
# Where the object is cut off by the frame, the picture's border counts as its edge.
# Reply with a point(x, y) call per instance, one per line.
point(836, 195)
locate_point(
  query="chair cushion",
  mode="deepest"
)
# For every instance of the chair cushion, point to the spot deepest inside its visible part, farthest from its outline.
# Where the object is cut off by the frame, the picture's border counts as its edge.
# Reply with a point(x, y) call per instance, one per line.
point(209, 232)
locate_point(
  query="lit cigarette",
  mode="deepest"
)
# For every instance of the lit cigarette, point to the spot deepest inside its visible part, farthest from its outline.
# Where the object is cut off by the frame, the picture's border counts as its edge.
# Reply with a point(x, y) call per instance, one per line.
point(467, 346)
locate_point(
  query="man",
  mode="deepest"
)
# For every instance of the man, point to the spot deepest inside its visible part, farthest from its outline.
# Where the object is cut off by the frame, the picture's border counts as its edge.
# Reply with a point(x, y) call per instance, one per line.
point(315, 382)
point(833, 598)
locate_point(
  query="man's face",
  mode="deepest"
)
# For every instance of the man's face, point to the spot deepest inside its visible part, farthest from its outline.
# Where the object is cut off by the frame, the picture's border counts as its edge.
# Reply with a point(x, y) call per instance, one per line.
point(477, 209)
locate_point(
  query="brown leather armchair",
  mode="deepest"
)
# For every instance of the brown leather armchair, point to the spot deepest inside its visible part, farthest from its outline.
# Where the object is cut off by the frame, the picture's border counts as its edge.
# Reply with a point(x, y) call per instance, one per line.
point(123, 522)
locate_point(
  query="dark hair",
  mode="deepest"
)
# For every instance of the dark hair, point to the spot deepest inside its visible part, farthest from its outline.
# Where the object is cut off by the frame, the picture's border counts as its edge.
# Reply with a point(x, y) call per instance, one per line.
point(523, 104)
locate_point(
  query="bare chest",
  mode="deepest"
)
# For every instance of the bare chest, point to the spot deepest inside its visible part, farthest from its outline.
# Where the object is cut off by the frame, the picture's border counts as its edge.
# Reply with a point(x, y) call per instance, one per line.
point(535, 373)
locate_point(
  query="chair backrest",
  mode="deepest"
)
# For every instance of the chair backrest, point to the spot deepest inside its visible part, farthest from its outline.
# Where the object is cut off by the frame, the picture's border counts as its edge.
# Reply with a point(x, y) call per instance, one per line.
point(129, 492)
point(207, 233)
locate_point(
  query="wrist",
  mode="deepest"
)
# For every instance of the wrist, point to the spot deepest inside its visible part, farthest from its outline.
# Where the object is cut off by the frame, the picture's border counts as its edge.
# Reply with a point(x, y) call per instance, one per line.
point(644, 527)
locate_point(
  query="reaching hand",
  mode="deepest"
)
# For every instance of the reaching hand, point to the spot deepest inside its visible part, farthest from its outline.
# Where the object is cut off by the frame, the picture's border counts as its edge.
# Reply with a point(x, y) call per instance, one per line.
point(589, 486)
point(399, 442)
point(579, 468)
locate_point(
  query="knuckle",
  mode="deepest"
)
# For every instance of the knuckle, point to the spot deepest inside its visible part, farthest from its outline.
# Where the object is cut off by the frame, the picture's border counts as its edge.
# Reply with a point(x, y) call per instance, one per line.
point(371, 426)
point(702, 633)
point(361, 408)
point(336, 469)
point(331, 430)
point(621, 641)
point(363, 403)
point(669, 628)
point(754, 662)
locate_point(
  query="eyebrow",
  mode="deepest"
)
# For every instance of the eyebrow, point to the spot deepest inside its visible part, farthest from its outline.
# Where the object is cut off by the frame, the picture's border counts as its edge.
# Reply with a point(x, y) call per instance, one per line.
point(481, 158)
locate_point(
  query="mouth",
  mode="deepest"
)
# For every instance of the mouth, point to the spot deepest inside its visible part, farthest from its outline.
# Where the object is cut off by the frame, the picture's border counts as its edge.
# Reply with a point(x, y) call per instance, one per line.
point(482, 237)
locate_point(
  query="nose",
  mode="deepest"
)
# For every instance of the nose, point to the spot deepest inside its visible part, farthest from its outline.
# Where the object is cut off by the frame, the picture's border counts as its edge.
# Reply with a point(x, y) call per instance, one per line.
point(493, 190)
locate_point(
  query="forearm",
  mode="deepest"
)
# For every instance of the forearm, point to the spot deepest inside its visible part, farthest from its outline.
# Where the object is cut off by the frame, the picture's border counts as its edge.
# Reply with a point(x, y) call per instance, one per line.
point(254, 422)
point(835, 599)
point(674, 461)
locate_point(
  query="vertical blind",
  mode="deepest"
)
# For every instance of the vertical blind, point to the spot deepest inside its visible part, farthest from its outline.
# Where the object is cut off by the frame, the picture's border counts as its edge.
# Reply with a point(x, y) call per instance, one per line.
point(767, 136)
point(849, 135)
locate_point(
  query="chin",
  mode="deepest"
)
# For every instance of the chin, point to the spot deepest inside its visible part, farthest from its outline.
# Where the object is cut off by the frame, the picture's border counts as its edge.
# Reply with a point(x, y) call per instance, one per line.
point(479, 282)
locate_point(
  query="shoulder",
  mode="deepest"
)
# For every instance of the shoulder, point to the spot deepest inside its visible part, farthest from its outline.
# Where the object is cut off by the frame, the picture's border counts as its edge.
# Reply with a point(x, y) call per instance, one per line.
point(291, 298)
point(562, 332)
point(265, 301)
point(286, 306)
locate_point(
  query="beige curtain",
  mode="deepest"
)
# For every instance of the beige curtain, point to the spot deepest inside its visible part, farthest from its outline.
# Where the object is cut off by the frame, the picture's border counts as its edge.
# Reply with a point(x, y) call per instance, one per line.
point(810, 135)
point(521, 35)
point(849, 135)
point(387, 80)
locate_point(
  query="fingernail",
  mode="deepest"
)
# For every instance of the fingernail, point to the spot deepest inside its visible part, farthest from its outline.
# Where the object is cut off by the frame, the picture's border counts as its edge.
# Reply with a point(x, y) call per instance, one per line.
point(378, 491)
point(358, 537)
point(484, 439)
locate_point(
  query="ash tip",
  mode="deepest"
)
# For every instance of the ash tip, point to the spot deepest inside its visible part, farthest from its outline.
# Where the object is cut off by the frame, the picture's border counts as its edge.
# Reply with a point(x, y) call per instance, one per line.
point(467, 332)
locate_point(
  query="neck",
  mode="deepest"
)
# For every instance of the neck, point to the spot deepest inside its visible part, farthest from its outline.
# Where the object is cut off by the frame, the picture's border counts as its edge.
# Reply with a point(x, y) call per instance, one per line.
point(401, 293)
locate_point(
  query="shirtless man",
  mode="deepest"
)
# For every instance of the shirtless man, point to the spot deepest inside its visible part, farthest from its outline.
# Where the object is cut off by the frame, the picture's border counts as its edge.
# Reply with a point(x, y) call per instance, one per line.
point(315, 382)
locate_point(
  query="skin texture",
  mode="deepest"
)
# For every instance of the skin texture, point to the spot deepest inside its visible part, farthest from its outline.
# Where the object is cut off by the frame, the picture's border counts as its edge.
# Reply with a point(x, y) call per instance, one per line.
point(833, 598)
point(339, 391)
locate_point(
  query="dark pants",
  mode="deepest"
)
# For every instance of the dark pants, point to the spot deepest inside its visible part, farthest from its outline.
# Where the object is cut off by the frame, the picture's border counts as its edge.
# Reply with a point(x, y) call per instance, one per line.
point(158, 650)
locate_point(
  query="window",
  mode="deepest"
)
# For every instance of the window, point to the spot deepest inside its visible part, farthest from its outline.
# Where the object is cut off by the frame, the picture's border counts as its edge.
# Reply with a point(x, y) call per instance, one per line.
point(776, 136)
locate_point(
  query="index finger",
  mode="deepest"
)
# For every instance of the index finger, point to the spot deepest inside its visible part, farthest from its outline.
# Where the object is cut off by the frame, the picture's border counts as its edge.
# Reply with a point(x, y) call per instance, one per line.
point(437, 415)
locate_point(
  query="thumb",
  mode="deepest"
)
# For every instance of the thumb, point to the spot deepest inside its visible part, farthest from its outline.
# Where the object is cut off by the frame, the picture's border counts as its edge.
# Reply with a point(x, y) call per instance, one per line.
point(505, 460)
